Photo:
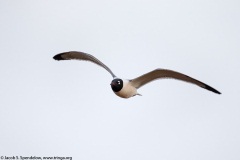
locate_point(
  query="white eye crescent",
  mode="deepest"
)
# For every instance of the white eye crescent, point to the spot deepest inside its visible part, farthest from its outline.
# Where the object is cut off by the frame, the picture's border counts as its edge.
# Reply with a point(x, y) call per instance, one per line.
point(118, 82)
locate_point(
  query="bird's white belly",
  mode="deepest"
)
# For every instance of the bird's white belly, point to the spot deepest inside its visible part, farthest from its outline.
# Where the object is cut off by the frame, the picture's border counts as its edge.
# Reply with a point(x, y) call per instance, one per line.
point(127, 91)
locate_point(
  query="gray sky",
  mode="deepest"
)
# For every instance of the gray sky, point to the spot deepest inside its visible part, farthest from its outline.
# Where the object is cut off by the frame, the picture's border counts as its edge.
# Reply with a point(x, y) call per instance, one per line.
point(51, 108)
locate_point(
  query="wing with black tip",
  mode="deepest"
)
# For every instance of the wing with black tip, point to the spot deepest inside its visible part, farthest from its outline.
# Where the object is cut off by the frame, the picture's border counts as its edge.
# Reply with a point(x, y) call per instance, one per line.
point(82, 56)
point(164, 73)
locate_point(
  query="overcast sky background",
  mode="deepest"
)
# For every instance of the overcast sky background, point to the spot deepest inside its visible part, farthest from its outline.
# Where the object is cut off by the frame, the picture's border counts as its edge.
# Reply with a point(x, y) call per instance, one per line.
point(51, 108)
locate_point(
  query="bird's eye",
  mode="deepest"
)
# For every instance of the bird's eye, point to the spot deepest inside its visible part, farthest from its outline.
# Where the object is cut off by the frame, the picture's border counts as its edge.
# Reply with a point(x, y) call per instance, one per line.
point(118, 82)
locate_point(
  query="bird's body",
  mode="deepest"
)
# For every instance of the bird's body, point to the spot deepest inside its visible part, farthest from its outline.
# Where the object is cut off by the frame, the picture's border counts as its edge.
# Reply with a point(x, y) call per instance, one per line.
point(128, 88)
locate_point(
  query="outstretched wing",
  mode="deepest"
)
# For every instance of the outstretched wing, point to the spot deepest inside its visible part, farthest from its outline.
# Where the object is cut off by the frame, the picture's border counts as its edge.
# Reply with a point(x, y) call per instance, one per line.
point(81, 56)
point(164, 73)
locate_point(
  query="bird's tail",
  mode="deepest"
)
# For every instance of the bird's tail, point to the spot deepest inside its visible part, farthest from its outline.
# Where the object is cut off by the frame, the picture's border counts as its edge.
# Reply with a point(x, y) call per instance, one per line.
point(138, 94)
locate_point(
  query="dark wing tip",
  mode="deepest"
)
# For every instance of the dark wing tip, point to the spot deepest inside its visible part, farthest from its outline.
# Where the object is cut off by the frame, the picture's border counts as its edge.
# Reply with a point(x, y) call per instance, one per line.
point(58, 57)
point(211, 89)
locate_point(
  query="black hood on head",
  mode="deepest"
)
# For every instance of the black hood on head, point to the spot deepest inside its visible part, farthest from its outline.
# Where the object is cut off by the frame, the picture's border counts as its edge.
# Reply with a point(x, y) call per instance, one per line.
point(117, 84)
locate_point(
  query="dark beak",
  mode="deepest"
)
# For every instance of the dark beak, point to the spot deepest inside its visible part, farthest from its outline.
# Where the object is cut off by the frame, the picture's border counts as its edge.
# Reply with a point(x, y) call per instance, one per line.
point(113, 84)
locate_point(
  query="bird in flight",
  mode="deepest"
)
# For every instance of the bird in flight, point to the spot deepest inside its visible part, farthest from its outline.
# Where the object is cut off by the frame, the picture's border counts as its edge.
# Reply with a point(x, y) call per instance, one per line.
point(127, 88)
